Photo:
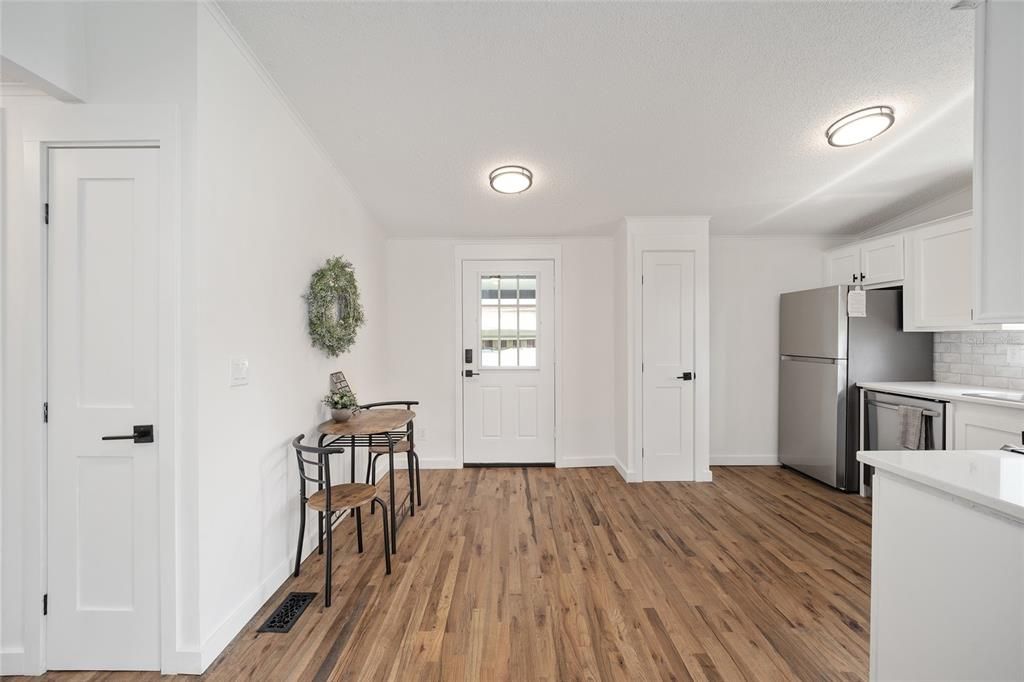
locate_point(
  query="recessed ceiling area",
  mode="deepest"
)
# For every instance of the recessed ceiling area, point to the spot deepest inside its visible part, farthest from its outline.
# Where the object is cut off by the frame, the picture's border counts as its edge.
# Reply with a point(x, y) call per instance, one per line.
point(621, 109)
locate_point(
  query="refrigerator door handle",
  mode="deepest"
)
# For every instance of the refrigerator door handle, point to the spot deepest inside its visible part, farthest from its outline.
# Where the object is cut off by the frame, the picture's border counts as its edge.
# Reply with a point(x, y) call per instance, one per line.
point(805, 358)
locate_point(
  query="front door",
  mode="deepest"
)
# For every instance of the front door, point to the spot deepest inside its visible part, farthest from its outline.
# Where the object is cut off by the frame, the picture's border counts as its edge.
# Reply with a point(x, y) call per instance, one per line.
point(668, 378)
point(103, 531)
point(508, 362)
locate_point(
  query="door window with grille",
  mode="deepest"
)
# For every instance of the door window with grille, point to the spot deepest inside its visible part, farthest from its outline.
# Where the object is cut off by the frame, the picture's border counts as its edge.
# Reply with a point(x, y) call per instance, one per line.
point(508, 321)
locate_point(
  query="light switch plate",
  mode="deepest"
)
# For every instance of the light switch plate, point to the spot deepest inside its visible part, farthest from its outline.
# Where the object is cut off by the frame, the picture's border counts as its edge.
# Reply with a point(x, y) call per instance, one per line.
point(239, 371)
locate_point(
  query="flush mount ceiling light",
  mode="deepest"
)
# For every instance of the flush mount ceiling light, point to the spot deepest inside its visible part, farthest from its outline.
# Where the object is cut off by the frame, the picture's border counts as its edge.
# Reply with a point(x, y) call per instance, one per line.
point(860, 126)
point(511, 179)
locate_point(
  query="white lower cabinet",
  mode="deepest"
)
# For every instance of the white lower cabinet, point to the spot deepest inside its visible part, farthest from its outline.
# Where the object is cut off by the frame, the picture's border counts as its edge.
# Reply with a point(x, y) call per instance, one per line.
point(984, 427)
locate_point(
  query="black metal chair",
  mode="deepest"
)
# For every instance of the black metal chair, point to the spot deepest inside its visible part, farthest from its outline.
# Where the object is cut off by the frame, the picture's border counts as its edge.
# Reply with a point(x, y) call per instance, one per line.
point(404, 441)
point(329, 500)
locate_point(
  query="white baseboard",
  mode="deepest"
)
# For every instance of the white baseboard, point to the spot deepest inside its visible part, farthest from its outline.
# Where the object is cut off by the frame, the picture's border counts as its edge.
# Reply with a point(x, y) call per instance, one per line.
point(627, 476)
point(439, 464)
point(587, 461)
point(198, 662)
point(183, 662)
point(237, 619)
point(745, 460)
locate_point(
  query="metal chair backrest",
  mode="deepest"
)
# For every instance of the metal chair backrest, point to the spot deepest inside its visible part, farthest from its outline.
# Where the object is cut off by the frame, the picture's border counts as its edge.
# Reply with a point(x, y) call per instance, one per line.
point(321, 465)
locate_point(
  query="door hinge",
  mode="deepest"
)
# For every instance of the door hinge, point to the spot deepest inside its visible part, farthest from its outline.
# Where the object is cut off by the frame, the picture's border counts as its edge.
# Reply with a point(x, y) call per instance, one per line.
point(641, 453)
point(46, 213)
point(46, 603)
point(46, 413)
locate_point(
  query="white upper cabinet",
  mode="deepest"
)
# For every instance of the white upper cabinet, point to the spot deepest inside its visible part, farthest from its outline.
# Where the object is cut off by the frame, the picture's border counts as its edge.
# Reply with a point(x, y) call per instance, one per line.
point(999, 161)
point(842, 266)
point(937, 291)
point(876, 261)
point(881, 260)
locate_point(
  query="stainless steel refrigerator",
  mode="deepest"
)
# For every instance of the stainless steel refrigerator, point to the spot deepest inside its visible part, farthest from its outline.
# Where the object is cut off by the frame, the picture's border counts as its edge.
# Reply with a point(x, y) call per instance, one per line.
point(824, 354)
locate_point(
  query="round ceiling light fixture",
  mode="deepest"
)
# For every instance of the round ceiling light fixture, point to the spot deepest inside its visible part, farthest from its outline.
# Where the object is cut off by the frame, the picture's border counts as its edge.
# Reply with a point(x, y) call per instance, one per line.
point(860, 126)
point(511, 179)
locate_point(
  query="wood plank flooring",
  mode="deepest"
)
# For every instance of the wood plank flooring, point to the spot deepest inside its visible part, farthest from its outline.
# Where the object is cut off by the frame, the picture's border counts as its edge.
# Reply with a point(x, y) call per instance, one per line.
point(571, 574)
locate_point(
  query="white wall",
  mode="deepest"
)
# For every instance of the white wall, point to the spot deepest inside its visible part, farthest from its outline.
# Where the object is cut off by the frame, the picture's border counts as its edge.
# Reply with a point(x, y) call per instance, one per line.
point(747, 276)
point(271, 210)
point(260, 209)
point(423, 359)
point(43, 45)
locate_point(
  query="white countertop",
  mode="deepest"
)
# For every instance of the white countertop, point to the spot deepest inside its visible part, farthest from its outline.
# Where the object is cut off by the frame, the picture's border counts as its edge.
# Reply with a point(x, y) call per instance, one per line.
point(940, 391)
point(988, 478)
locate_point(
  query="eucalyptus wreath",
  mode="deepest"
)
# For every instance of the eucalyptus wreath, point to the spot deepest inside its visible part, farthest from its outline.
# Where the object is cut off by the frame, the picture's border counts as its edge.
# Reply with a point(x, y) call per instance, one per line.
point(335, 313)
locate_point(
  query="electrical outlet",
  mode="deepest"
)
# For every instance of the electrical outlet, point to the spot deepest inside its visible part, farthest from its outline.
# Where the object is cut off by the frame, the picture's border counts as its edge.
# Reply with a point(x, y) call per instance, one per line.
point(1015, 355)
point(239, 372)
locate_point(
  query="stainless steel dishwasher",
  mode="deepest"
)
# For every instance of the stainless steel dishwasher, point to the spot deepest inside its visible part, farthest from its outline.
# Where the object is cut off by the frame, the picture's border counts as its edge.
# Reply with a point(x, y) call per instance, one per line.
point(881, 426)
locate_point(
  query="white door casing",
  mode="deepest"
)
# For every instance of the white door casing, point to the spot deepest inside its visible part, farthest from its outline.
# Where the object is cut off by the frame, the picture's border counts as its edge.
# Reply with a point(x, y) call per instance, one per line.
point(508, 325)
point(668, 366)
point(102, 379)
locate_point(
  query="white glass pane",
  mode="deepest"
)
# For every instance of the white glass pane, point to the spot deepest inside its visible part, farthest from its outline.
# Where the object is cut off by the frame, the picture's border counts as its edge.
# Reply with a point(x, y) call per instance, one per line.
point(527, 290)
point(488, 358)
point(489, 290)
point(509, 324)
point(489, 320)
point(509, 354)
point(527, 321)
point(509, 293)
point(527, 357)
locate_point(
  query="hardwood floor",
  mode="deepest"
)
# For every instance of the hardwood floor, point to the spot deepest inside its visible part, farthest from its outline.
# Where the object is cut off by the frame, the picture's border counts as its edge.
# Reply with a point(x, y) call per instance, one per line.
point(566, 574)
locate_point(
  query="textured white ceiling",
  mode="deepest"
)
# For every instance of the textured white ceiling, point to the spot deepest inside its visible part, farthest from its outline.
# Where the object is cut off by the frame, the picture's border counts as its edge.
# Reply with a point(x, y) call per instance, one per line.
point(715, 108)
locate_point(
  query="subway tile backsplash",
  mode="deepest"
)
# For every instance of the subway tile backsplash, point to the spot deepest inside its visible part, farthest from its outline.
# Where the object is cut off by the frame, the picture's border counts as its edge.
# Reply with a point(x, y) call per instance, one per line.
point(992, 359)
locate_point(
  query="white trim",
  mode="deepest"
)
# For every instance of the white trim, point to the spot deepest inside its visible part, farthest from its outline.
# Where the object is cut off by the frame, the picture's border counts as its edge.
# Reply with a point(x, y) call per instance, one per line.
point(745, 460)
point(627, 476)
point(588, 461)
point(83, 125)
point(507, 250)
point(666, 233)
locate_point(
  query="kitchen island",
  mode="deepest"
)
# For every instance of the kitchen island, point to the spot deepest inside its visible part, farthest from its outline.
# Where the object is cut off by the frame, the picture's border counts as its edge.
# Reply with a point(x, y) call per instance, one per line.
point(947, 565)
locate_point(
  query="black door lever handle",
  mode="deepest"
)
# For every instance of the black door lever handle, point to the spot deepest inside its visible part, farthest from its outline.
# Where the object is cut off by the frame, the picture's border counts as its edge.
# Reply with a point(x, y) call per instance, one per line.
point(141, 433)
point(470, 373)
point(686, 376)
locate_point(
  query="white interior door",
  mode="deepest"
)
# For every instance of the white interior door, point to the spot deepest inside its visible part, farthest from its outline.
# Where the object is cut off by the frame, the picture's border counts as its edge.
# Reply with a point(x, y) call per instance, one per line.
point(102, 495)
point(508, 362)
point(668, 362)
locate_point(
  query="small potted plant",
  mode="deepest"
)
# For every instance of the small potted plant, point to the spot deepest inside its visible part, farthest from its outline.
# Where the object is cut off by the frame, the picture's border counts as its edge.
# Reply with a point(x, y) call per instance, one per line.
point(342, 404)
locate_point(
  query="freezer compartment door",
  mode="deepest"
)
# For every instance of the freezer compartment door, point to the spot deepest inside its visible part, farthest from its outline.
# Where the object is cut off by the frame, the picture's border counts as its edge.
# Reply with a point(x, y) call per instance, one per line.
point(812, 417)
point(813, 323)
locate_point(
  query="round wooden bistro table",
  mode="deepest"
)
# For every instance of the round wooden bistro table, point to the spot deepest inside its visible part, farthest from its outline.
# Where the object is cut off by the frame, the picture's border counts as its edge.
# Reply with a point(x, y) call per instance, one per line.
point(366, 428)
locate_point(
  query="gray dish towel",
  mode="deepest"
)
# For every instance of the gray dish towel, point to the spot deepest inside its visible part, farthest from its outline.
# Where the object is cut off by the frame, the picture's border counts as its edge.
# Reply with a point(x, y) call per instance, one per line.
point(911, 431)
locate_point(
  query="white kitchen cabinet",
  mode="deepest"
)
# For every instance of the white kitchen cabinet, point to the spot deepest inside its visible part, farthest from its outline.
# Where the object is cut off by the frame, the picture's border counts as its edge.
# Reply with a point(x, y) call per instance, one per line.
point(985, 427)
point(842, 266)
point(881, 260)
point(937, 290)
point(871, 262)
point(998, 161)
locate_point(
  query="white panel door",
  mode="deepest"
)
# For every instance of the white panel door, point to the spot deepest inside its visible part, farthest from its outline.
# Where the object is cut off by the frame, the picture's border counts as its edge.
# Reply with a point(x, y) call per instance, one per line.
point(102, 547)
point(668, 357)
point(508, 362)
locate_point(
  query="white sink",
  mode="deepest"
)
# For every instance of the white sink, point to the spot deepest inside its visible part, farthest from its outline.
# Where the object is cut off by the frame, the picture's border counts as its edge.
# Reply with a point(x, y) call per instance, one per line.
point(994, 395)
